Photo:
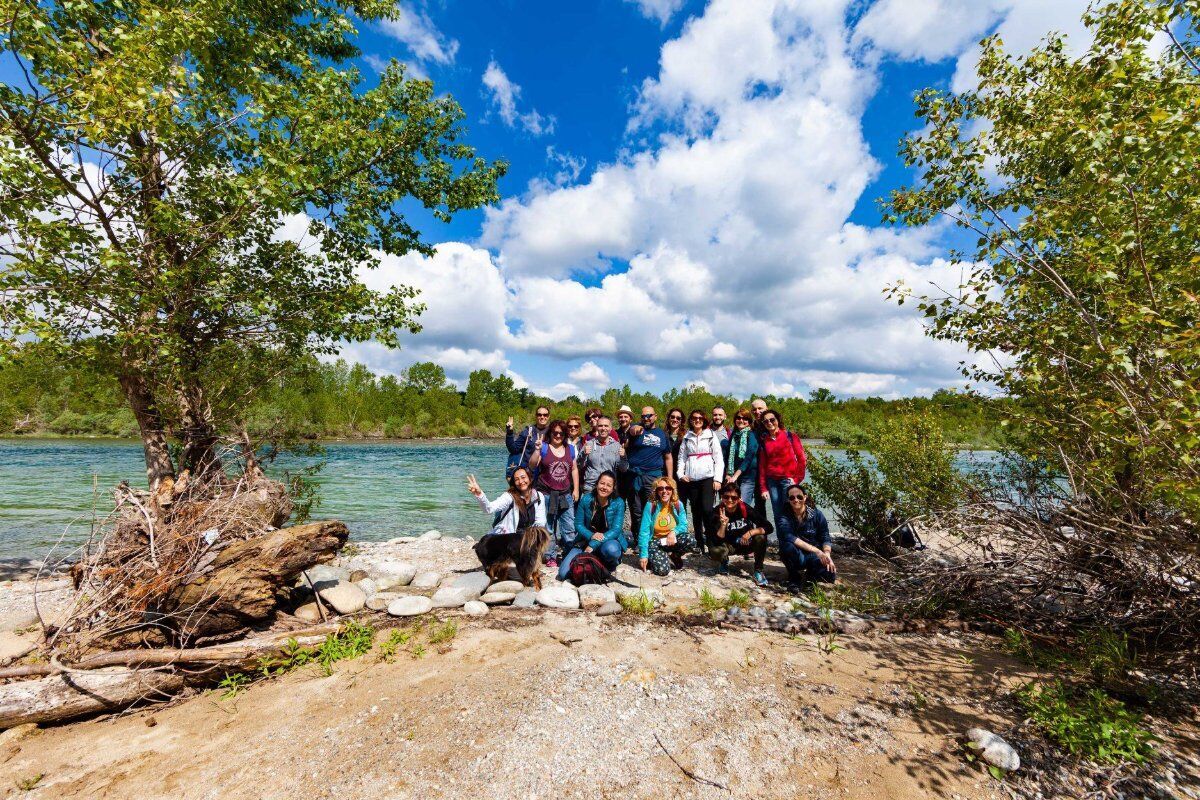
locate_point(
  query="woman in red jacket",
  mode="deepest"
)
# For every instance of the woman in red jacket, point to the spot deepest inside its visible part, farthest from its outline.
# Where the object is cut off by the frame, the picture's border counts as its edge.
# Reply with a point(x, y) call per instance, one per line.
point(781, 462)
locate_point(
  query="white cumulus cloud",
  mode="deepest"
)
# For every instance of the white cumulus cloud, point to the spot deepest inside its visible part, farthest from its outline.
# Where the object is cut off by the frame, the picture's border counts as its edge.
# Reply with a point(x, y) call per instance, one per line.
point(416, 30)
point(660, 11)
point(591, 374)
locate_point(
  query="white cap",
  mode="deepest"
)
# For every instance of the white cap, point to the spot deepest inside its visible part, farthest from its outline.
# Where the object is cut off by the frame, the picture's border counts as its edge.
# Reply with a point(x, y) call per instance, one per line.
point(626, 409)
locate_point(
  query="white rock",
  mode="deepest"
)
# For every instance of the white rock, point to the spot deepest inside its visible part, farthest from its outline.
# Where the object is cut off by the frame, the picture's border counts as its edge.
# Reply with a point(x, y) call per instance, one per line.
point(497, 598)
point(426, 580)
point(409, 606)
point(475, 608)
point(477, 582)
point(563, 596)
point(525, 599)
point(380, 601)
point(19, 621)
point(993, 749)
point(515, 587)
point(323, 575)
point(402, 540)
point(453, 596)
point(429, 536)
point(609, 609)
point(13, 646)
point(390, 573)
point(344, 598)
point(368, 585)
point(592, 596)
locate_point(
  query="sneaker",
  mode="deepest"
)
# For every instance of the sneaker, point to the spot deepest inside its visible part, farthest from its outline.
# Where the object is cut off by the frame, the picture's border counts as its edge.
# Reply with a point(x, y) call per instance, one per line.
point(723, 569)
point(552, 563)
point(795, 588)
point(760, 579)
point(677, 560)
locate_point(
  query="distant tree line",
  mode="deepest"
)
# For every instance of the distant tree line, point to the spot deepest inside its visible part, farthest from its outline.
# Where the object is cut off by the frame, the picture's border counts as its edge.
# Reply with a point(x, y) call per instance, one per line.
point(43, 394)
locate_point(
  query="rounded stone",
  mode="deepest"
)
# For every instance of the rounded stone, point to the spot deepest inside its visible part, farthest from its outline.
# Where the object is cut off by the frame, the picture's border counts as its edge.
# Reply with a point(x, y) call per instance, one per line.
point(426, 580)
point(453, 596)
point(308, 612)
point(558, 597)
point(391, 573)
point(993, 749)
point(592, 596)
point(507, 586)
point(409, 606)
point(475, 608)
point(609, 609)
point(344, 598)
point(497, 598)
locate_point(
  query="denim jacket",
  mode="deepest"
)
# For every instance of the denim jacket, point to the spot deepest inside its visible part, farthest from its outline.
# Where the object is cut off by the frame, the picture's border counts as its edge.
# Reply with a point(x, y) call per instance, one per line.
point(614, 513)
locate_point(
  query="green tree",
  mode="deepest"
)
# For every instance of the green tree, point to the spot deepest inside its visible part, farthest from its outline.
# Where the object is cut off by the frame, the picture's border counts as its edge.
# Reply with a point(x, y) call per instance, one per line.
point(821, 395)
point(148, 164)
point(1078, 176)
point(425, 376)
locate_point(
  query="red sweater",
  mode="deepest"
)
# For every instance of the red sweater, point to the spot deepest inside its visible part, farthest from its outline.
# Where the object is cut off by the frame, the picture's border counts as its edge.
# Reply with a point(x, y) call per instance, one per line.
point(781, 457)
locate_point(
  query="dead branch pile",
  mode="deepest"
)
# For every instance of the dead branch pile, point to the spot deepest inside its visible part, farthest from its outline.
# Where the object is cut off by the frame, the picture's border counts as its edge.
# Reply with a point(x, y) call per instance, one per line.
point(191, 562)
point(1063, 571)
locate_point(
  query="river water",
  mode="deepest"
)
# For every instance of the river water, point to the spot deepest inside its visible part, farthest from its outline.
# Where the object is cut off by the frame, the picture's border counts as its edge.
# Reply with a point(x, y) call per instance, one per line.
point(48, 487)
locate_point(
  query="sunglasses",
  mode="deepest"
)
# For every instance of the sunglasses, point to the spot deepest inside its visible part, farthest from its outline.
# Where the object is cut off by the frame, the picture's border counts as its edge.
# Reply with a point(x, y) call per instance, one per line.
point(697, 419)
point(770, 421)
point(539, 414)
point(675, 417)
point(572, 427)
point(664, 488)
point(795, 498)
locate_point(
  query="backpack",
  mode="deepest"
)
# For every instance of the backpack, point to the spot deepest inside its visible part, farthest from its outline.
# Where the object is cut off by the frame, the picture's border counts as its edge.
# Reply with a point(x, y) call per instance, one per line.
point(587, 568)
point(905, 535)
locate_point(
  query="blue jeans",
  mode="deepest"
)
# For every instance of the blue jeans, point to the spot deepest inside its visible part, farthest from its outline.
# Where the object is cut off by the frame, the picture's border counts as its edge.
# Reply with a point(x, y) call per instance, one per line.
point(803, 566)
point(748, 486)
point(562, 525)
point(609, 552)
point(777, 488)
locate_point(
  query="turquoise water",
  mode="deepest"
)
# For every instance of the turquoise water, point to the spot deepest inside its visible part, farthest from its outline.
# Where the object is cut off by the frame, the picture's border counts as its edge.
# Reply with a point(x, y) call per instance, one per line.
point(379, 489)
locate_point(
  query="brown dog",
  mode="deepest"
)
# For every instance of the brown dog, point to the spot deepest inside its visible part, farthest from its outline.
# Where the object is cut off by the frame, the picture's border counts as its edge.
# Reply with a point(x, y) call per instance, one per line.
point(499, 551)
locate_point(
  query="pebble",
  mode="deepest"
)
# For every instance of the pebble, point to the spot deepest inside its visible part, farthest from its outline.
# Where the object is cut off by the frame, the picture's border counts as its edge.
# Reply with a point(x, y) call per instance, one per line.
point(389, 574)
point(993, 749)
point(380, 602)
point(609, 609)
point(507, 586)
point(454, 596)
point(592, 596)
point(757, 611)
point(357, 575)
point(853, 624)
point(426, 580)
point(344, 598)
point(401, 539)
point(497, 598)
point(409, 606)
point(429, 536)
point(475, 609)
point(13, 646)
point(563, 596)
point(525, 599)
point(477, 582)
point(323, 574)
point(368, 585)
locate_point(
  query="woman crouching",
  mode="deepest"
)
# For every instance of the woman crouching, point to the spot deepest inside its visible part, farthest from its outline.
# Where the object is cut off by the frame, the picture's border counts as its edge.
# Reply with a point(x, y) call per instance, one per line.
point(598, 521)
point(741, 531)
point(664, 536)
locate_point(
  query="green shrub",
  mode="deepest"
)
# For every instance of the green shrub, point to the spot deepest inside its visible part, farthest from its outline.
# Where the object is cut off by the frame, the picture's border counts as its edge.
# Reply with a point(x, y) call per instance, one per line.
point(637, 603)
point(1088, 724)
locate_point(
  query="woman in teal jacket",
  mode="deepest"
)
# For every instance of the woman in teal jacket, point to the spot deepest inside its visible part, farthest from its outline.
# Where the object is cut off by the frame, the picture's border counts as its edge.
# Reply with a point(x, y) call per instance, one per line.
point(664, 537)
point(598, 521)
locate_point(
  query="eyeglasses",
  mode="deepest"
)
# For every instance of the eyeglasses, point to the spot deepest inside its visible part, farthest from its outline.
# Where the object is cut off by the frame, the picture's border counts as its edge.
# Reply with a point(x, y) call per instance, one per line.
point(674, 417)
point(697, 419)
point(573, 427)
point(557, 433)
point(543, 414)
point(795, 498)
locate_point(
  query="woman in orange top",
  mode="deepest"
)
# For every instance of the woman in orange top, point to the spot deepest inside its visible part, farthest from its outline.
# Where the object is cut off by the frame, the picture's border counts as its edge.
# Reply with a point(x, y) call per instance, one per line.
point(664, 536)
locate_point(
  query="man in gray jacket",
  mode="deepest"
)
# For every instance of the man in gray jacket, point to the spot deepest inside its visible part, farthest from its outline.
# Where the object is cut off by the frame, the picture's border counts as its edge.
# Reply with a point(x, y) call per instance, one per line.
point(602, 454)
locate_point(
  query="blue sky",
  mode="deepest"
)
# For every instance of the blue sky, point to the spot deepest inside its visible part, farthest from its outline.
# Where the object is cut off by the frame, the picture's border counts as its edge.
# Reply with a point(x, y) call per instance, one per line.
point(693, 189)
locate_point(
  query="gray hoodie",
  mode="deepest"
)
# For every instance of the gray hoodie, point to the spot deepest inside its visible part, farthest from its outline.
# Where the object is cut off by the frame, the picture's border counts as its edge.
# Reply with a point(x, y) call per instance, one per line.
point(608, 458)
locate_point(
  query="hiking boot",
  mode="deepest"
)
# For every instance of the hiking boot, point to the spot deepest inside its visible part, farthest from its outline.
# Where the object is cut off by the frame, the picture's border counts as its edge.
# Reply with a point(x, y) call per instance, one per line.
point(760, 579)
point(676, 560)
point(723, 569)
point(795, 588)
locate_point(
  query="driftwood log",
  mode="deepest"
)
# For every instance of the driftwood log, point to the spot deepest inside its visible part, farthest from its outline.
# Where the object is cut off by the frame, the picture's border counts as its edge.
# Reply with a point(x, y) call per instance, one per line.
point(242, 586)
point(97, 685)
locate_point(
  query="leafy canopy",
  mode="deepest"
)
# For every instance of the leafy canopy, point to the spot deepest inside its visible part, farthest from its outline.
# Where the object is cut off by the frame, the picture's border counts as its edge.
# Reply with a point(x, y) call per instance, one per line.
point(1082, 297)
point(190, 191)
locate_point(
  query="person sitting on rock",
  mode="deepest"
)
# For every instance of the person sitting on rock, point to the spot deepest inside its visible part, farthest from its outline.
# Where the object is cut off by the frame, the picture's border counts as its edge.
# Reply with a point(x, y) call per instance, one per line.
point(598, 522)
point(805, 546)
point(518, 508)
point(664, 537)
point(740, 530)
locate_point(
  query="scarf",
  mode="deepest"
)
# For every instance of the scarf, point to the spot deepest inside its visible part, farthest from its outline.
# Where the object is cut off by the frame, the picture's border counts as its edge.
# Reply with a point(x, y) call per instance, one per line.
point(737, 449)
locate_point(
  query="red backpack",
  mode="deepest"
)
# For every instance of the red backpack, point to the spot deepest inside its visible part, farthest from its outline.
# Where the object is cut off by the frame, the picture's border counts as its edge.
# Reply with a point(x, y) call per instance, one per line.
point(586, 568)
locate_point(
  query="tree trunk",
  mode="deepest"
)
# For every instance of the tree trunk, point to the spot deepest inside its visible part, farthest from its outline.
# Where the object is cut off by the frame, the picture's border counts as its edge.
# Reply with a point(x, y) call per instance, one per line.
point(200, 441)
point(241, 587)
point(154, 437)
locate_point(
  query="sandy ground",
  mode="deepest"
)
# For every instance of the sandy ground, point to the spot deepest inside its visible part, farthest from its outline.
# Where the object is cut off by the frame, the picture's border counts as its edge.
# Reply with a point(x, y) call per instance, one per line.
point(510, 711)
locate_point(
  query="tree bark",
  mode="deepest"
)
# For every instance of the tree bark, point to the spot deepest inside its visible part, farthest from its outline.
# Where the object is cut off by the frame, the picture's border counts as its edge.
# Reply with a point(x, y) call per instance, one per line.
point(241, 588)
point(154, 437)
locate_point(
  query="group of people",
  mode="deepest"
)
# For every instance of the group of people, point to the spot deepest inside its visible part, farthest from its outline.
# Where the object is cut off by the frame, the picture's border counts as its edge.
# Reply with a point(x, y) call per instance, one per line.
point(693, 485)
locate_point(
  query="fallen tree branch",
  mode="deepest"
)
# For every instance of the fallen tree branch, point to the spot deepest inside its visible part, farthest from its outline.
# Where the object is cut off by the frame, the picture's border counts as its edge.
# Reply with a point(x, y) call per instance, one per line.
point(687, 771)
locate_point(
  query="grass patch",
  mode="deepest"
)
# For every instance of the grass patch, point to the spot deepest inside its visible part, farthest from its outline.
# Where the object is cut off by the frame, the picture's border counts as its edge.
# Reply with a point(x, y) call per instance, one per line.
point(711, 602)
point(637, 603)
point(444, 632)
point(233, 684)
point(1087, 723)
point(27, 784)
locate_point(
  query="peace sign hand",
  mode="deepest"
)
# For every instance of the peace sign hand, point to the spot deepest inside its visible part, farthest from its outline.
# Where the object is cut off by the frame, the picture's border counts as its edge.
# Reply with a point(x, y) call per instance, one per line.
point(473, 486)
